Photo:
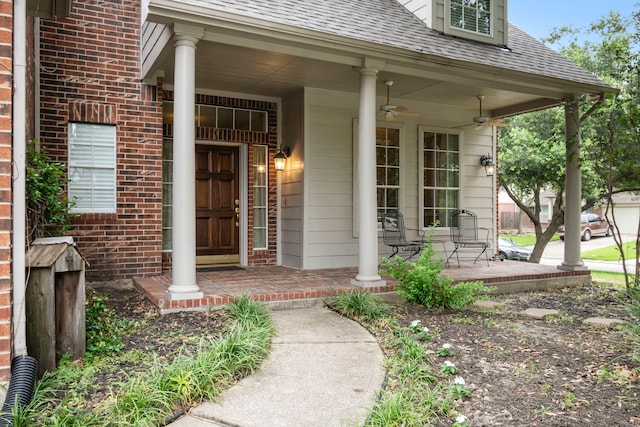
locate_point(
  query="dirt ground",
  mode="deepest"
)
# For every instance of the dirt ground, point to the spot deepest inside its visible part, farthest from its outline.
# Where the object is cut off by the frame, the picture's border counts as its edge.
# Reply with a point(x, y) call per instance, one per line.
point(554, 372)
point(521, 371)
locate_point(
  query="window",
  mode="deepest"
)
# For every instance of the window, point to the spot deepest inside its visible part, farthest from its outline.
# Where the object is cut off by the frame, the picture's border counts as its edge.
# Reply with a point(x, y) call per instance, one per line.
point(387, 170)
point(260, 197)
point(92, 167)
point(222, 117)
point(471, 15)
point(167, 194)
point(440, 177)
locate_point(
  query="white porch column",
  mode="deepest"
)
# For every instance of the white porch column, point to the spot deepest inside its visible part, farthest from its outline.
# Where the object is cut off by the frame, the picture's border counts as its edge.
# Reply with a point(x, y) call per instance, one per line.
point(573, 187)
point(368, 232)
point(184, 284)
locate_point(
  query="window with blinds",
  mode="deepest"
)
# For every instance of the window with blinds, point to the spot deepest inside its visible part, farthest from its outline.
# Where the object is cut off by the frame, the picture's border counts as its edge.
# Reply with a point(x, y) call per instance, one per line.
point(92, 167)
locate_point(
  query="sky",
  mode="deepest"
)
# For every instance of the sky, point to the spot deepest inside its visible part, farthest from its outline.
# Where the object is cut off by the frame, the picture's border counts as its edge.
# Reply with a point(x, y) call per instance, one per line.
point(539, 17)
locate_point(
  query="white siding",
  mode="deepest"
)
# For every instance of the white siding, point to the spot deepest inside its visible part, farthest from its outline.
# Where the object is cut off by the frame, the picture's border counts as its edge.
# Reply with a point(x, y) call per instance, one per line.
point(329, 223)
point(154, 38)
point(292, 186)
point(329, 180)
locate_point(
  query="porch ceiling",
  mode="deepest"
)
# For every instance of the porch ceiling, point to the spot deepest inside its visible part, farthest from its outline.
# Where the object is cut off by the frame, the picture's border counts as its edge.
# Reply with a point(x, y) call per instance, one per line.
point(244, 70)
point(271, 49)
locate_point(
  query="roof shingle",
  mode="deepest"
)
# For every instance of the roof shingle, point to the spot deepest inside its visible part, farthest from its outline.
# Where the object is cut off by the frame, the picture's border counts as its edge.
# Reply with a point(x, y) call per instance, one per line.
point(387, 22)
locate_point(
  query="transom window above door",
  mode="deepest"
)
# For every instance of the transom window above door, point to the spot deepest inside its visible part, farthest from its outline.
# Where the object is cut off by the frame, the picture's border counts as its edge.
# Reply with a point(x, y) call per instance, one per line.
point(223, 117)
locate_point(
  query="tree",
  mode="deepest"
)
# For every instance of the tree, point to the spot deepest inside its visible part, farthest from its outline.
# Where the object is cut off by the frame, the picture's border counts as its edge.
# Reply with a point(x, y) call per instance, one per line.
point(610, 155)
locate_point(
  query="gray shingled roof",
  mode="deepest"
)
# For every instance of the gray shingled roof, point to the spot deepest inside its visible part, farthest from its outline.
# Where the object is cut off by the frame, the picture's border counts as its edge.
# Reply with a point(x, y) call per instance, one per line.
point(389, 23)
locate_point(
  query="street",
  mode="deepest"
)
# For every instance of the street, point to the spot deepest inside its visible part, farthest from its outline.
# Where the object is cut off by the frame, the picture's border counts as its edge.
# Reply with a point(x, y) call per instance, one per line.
point(554, 254)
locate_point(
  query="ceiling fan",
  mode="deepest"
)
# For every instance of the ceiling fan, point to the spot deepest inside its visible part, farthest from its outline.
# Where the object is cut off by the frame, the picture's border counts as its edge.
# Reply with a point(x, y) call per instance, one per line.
point(391, 111)
point(482, 120)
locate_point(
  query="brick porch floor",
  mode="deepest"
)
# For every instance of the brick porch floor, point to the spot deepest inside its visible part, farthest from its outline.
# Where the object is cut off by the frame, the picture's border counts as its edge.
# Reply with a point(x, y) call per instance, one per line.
point(274, 283)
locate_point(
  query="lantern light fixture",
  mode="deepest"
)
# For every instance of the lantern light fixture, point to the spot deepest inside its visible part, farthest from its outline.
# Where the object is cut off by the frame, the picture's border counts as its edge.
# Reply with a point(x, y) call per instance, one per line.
point(487, 162)
point(280, 158)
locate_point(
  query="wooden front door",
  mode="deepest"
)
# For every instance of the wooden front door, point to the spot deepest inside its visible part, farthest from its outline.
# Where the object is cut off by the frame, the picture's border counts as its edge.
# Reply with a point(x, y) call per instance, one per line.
point(217, 204)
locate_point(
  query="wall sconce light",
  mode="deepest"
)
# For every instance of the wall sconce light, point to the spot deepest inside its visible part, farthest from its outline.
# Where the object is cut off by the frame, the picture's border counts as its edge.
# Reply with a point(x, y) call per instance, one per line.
point(487, 162)
point(280, 159)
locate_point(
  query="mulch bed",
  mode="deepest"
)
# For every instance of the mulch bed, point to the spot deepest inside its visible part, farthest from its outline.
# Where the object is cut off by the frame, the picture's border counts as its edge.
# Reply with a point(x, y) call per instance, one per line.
point(521, 371)
point(528, 372)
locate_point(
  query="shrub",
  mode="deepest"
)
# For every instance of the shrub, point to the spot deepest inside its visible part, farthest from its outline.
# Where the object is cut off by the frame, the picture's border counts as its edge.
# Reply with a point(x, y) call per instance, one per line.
point(104, 328)
point(632, 302)
point(360, 304)
point(47, 207)
point(421, 282)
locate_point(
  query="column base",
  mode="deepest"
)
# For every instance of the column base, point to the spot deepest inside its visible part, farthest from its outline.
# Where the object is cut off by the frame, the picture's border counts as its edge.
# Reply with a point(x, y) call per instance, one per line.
point(572, 267)
point(368, 281)
point(182, 293)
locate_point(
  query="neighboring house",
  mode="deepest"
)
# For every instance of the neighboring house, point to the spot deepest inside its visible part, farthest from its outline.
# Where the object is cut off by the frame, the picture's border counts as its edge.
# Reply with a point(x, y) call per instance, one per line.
point(627, 212)
point(626, 205)
point(168, 114)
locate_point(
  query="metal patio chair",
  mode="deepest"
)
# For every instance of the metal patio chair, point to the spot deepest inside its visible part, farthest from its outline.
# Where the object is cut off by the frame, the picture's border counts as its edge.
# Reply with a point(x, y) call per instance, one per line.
point(394, 235)
point(464, 234)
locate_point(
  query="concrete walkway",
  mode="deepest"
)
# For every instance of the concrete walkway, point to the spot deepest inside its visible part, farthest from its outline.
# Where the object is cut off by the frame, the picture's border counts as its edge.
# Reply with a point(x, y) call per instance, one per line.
point(323, 370)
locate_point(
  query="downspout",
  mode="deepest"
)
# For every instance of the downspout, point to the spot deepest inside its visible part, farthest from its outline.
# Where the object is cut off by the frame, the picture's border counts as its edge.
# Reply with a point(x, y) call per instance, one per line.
point(19, 181)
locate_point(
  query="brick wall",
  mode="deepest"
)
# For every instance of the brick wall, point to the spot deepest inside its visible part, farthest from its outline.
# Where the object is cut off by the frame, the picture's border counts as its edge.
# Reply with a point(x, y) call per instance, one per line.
point(6, 81)
point(90, 72)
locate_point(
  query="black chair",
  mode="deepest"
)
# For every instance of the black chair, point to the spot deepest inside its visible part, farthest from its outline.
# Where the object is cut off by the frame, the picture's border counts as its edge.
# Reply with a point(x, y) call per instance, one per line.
point(394, 235)
point(464, 234)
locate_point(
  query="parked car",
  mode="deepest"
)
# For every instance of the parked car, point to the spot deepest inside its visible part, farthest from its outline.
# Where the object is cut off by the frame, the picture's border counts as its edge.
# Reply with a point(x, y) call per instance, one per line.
point(508, 249)
point(590, 225)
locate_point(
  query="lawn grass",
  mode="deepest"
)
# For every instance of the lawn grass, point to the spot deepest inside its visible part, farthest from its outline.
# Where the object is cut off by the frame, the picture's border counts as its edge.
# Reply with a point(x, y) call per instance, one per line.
point(524, 239)
point(615, 279)
point(610, 253)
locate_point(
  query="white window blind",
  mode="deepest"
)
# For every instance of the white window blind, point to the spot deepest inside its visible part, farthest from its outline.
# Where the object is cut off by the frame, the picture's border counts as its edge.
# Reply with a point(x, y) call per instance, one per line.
point(92, 167)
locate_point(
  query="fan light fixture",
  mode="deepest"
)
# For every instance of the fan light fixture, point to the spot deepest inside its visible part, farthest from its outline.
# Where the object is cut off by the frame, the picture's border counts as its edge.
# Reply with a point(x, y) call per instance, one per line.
point(280, 159)
point(487, 162)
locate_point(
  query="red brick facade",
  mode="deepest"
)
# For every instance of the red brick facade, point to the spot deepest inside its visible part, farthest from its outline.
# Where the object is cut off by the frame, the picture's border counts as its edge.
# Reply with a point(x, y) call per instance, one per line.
point(90, 72)
point(6, 223)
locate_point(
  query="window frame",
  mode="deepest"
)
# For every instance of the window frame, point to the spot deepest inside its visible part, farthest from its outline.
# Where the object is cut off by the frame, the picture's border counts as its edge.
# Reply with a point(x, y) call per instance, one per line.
point(167, 192)
point(356, 200)
point(421, 167)
point(469, 33)
point(399, 166)
point(265, 187)
point(78, 207)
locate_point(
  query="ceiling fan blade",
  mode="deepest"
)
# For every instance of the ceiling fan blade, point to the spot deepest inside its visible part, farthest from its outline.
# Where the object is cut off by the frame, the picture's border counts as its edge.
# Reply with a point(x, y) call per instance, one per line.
point(408, 113)
point(497, 123)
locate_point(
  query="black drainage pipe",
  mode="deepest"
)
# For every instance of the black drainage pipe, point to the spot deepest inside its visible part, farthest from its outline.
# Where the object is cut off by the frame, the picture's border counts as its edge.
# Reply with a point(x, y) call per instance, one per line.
point(21, 385)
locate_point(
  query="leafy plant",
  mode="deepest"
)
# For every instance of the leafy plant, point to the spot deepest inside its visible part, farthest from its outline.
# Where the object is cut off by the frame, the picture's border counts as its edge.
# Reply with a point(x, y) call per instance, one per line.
point(360, 305)
point(48, 209)
point(148, 396)
point(421, 282)
point(104, 328)
point(632, 303)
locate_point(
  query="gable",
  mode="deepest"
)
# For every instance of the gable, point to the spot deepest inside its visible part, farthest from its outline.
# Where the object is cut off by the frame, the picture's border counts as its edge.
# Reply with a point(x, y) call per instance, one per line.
point(445, 16)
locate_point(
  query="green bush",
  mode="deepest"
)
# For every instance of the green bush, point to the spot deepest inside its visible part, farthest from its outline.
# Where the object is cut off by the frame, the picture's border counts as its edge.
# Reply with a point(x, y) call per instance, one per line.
point(47, 207)
point(421, 282)
point(632, 302)
point(104, 328)
point(359, 305)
